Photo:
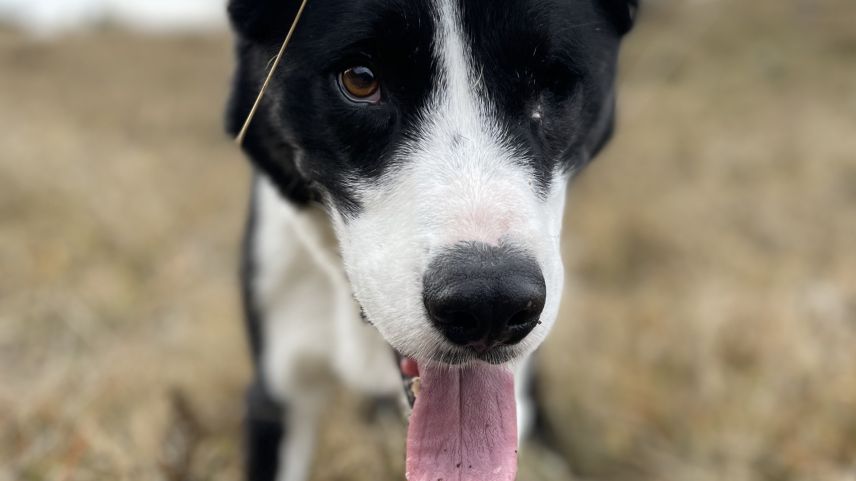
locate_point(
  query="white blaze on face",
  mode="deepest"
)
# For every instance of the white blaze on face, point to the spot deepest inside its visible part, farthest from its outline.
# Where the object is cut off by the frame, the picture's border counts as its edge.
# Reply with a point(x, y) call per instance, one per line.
point(462, 180)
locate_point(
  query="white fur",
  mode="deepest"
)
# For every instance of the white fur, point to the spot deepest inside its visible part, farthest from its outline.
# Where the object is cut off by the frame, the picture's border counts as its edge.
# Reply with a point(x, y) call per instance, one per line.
point(311, 330)
point(309, 316)
point(525, 405)
point(297, 448)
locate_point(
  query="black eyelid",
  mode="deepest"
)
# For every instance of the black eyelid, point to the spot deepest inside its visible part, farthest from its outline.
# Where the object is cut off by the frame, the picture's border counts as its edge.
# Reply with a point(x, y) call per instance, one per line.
point(346, 60)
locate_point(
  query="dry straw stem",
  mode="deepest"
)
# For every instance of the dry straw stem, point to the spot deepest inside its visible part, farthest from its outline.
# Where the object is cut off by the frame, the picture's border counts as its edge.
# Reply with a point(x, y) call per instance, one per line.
point(243, 133)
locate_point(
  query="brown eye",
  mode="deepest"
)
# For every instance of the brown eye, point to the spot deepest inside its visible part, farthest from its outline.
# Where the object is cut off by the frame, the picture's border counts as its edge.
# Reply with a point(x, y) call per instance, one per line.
point(360, 84)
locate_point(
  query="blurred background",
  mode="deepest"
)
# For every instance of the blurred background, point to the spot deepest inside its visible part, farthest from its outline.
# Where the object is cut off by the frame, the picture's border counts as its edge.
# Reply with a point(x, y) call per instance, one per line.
point(709, 327)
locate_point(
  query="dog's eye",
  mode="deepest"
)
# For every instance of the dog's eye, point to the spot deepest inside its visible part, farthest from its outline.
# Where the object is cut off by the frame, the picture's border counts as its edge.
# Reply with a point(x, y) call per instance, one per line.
point(360, 84)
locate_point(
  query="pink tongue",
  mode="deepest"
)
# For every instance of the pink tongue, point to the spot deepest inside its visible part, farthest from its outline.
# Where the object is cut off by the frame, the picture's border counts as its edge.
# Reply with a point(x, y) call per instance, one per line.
point(464, 425)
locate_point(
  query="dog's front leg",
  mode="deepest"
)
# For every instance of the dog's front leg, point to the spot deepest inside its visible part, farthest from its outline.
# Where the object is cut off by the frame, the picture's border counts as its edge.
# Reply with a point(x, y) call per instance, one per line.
point(280, 436)
point(297, 447)
point(291, 323)
point(286, 400)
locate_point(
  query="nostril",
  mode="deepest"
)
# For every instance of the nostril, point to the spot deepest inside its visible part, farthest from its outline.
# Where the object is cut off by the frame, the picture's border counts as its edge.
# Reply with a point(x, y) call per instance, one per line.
point(523, 317)
point(460, 326)
point(458, 319)
point(520, 325)
point(524, 313)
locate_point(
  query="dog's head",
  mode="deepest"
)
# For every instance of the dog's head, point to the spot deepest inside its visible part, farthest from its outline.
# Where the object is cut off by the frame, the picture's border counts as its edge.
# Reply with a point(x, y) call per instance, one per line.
point(441, 135)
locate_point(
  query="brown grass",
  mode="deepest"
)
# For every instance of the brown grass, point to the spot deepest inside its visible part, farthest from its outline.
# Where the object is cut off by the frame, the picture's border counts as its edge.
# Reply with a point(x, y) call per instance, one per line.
point(709, 330)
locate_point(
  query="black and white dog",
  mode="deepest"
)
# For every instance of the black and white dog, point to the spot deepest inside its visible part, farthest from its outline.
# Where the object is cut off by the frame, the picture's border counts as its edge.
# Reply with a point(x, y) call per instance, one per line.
point(411, 162)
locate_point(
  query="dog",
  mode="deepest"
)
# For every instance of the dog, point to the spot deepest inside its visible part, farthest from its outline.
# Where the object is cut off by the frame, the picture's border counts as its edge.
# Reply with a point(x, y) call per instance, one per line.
point(411, 160)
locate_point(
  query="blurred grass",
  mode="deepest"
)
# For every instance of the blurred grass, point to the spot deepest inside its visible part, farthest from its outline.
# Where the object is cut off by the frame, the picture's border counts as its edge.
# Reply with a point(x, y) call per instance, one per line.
point(709, 329)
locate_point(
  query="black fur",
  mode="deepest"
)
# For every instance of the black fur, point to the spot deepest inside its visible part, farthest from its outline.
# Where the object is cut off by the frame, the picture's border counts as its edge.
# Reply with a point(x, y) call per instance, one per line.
point(558, 54)
point(305, 110)
point(262, 20)
point(623, 13)
point(312, 141)
point(263, 430)
point(264, 418)
point(248, 269)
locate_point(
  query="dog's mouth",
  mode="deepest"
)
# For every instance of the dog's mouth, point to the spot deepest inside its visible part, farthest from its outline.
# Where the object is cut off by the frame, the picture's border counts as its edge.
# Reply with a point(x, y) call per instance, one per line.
point(464, 421)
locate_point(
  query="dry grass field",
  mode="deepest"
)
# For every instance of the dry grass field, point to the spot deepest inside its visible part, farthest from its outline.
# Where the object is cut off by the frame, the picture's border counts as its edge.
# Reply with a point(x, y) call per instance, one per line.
point(709, 328)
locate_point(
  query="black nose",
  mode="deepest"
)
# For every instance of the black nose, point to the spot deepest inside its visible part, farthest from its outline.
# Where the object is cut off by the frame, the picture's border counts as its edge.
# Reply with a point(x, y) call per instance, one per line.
point(483, 296)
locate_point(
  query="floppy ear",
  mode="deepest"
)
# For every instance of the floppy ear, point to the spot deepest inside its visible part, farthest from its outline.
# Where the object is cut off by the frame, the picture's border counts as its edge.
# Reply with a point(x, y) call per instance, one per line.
point(262, 20)
point(622, 12)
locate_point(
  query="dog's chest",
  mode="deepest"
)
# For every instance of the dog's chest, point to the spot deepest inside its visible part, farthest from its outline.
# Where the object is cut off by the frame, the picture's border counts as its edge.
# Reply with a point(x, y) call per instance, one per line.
point(310, 328)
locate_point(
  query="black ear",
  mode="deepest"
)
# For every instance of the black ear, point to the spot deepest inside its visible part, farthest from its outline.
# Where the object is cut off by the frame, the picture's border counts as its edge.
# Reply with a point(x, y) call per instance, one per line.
point(622, 12)
point(262, 20)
